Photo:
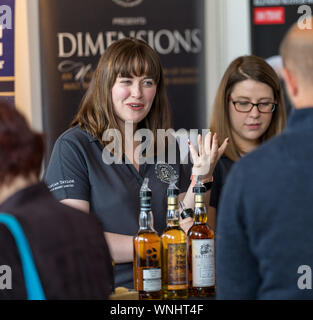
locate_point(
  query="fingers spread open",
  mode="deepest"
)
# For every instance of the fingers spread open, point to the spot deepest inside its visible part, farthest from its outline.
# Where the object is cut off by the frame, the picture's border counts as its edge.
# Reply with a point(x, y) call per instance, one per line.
point(200, 144)
point(207, 142)
point(223, 147)
point(193, 151)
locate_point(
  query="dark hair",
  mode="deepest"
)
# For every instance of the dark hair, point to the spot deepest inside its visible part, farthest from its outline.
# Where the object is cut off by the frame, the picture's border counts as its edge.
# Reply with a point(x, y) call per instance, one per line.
point(21, 149)
point(243, 68)
point(124, 57)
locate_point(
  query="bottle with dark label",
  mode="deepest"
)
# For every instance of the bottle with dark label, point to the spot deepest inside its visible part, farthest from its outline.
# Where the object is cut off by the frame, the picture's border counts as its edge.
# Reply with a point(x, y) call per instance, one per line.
point(201, 262)
point(147, 251)
point(174, 251)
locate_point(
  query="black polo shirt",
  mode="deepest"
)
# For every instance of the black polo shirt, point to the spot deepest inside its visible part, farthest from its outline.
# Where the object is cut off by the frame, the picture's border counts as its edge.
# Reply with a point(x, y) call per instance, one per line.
point(76, 171)
point(220, 174)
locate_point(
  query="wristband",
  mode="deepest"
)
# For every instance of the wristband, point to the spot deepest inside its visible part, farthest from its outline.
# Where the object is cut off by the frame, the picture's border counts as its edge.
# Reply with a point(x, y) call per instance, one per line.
point(186, 213)
point(207, 181)
point(208, 185)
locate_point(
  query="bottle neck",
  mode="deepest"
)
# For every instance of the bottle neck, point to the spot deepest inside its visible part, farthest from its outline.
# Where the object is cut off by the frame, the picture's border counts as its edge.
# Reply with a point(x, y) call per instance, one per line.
point(146, 219)
point(172, 217)
point(200, 216)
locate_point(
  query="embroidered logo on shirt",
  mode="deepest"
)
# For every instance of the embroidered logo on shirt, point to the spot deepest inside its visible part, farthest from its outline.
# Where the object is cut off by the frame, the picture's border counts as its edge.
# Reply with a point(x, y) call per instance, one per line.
point(164, 172)
point(62, 184)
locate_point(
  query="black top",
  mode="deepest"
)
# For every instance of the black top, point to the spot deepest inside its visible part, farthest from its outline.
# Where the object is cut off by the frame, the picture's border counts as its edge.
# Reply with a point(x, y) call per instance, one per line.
point(220, 174)
point(69, 250)
point(77, 171)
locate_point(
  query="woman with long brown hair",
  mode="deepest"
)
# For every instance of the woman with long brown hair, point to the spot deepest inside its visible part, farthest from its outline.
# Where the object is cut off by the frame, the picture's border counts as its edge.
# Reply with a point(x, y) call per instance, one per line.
point(249, 109)
point(127, 93)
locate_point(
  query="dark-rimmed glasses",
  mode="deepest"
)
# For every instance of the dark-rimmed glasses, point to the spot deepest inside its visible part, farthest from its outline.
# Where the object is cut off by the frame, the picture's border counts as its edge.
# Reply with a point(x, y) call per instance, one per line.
point(247, 106)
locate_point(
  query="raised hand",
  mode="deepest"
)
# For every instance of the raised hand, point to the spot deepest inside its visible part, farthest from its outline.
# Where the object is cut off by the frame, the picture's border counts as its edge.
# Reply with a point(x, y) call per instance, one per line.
point(209, 153)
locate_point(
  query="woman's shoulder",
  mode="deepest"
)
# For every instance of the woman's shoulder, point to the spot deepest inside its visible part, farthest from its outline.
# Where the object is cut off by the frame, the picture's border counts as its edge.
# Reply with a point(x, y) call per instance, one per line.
point(76, 135)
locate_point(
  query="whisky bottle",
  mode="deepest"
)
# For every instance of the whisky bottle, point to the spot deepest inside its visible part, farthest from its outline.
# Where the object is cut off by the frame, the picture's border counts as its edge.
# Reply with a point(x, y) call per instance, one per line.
point(174, 251)
point(201, 262)
point(147, 251)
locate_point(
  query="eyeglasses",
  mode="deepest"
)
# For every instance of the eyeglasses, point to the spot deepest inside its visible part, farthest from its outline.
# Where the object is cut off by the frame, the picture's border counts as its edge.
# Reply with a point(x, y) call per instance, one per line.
point(246, 106)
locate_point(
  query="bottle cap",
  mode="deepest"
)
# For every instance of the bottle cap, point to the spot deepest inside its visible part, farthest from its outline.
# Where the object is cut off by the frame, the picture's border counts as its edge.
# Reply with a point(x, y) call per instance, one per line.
point(199, 186)
point(145, 194)
point(172, 190)
point(145, 191)
point(199, 198)
point(172, 201)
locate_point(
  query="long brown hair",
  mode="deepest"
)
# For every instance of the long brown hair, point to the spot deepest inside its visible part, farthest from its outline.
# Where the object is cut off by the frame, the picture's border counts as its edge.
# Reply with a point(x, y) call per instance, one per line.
point(125, 57)
point(243, 68)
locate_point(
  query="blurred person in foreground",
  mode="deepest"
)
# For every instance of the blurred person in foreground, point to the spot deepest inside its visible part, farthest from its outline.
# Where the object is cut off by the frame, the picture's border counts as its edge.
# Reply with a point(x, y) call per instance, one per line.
point(69, 251)
point(265, 222)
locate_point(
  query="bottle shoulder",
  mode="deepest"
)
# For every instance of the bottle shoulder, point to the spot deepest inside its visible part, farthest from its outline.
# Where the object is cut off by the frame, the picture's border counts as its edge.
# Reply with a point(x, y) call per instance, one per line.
point(172, 230)
point(151, 234)
point(174, 234)
point(201, 231)
point(203, 225)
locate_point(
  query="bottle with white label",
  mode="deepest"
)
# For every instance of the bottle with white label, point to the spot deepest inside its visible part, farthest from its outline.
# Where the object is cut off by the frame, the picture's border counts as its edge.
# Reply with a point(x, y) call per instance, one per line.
point(201, 262)
point(147, 251)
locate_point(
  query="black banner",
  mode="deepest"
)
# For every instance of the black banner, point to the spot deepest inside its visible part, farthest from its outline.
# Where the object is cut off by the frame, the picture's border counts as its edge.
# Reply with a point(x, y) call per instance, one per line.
point(7, 77)
point(270, 20)
point(143, 309)
point(74, 33)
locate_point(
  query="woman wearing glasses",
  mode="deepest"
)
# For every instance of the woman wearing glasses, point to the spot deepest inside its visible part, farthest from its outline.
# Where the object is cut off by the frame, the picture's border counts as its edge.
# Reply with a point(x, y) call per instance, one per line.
point(249, 109)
